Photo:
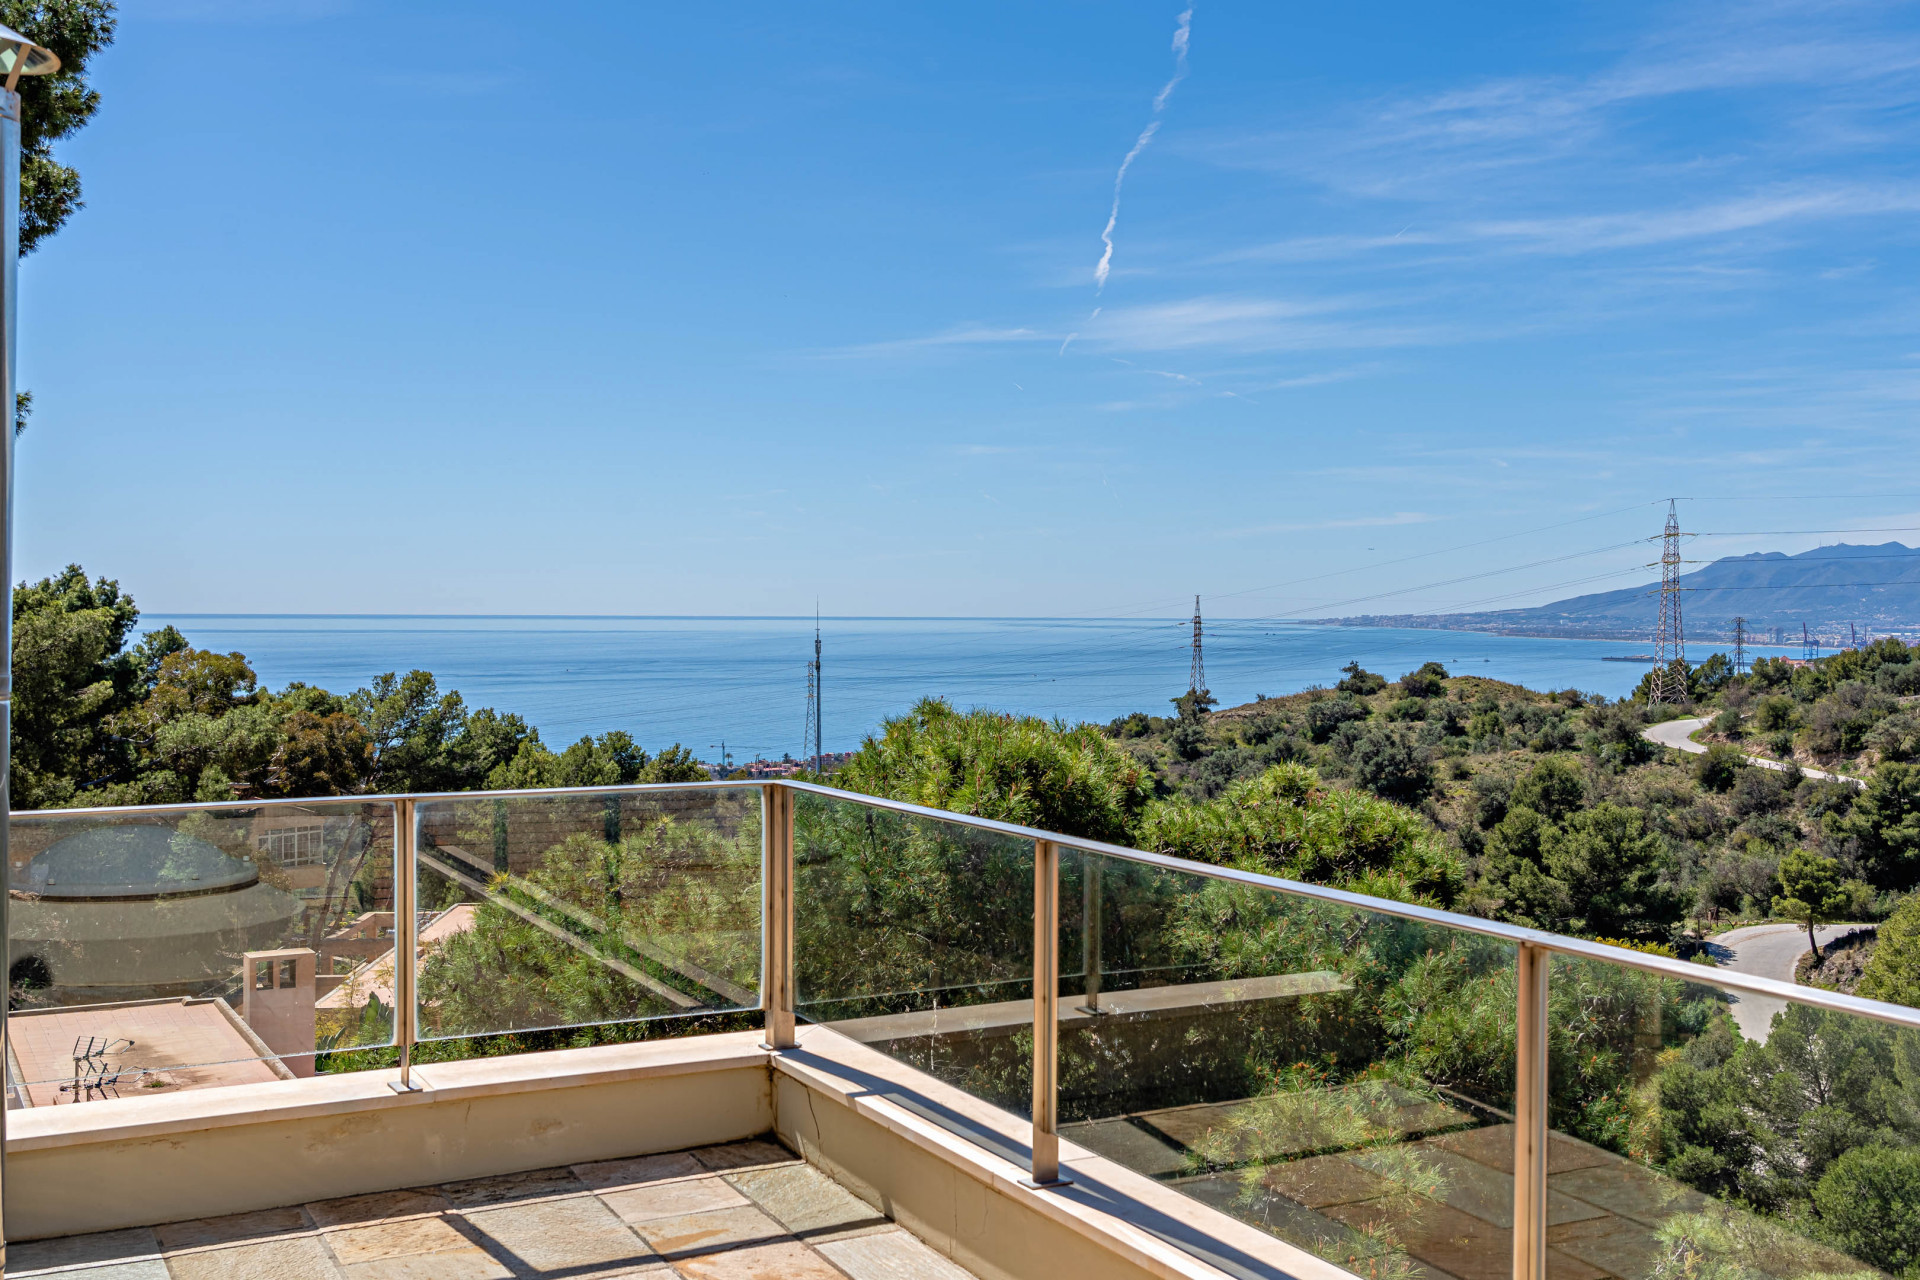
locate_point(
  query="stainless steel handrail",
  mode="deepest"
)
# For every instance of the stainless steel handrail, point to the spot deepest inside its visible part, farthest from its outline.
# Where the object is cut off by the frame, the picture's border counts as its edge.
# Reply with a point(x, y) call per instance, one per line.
point(1747, 984)
point(1532, 948)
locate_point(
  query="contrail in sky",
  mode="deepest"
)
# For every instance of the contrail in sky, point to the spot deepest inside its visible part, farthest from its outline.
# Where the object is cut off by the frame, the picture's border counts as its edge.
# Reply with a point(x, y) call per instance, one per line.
point(1181, 34)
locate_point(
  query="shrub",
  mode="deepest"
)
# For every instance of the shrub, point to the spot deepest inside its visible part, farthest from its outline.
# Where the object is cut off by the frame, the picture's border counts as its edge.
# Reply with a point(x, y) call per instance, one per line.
point(1893, 974)
point(1327, 714)
point(992, 765)
point(1552, 789)
point(1360, 682)
point(1427, 682)
point(1869, 1204)
point(1720, 768)
point(1391, 766)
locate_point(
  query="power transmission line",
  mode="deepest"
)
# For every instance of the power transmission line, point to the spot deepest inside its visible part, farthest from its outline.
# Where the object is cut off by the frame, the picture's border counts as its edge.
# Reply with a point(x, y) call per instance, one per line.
point(1197, 677)
point(1670, 637)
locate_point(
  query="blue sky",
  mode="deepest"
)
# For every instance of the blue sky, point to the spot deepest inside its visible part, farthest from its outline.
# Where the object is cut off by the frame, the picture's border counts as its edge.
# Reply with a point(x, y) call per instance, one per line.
point(659, 310)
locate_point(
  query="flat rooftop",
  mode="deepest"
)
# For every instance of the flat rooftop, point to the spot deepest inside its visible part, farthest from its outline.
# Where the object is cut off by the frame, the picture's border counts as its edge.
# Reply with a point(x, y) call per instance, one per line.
point(175, 1044)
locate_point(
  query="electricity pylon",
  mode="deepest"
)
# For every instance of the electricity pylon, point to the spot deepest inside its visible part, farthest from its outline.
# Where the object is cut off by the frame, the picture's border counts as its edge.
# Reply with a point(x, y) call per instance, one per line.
point(1670, 639)
point(1197, 678)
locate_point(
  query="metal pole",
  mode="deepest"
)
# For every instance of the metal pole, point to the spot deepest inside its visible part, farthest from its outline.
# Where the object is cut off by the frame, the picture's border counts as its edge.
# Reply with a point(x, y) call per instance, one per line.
point(9, 310)
point(1092, 925)
point(776, 915)
point(1046, 1014)
point(406, 941)
point(1530, 1117)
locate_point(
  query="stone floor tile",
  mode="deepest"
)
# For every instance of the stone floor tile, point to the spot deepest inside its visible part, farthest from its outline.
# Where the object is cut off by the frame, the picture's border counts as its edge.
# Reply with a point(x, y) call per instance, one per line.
point(639, 1171)
point(1493, 1145)
point(693, 1234)
point(1454, 1242)
point(1630, 1191)
point(743, 1155)
point(300, 1257)
point(126, 1248)
point(1475, 1188)
point(380, 1206)
point(400, 1238)
point(1618, 1245)
point(806, 1201)
point(890, 1255)
point(234, 1228)
point(142, 1269)
point(537, 1184)
point(461, 1264)
point(672, 1199)
point(1324, 1180)
point(543, 1236)
point(781, 1260)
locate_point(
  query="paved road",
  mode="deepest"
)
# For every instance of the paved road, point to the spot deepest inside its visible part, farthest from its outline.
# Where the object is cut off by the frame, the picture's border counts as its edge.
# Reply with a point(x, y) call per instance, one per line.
point(1677, 734)
point(1766, 951)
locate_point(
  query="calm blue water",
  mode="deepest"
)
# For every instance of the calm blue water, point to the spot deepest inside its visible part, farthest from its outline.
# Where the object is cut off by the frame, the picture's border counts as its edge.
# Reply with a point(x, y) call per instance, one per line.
point(698, 681)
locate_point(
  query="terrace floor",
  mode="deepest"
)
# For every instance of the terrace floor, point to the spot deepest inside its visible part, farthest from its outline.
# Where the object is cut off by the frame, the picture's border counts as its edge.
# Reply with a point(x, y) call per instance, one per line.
point(745, 1211)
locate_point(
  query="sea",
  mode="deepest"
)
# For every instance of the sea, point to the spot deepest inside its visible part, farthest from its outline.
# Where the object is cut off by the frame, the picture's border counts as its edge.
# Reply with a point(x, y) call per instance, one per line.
point(739, 684)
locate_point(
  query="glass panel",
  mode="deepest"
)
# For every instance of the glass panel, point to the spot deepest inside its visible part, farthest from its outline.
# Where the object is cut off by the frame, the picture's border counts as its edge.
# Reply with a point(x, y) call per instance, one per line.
point(1682, 1148)
point(565, 910)
point(1338, 1077)
point(915, 936)
point(192, 948)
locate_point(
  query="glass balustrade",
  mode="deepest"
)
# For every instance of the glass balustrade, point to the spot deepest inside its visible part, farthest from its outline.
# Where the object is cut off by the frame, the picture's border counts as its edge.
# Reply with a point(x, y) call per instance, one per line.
point(187, 948)
point(914, 936)
point(1341, 1078)
point(548, 911)
point(1682, 1148)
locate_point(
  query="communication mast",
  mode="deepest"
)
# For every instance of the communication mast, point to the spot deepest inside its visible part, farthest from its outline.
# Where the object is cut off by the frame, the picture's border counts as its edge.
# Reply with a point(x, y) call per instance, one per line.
point(810, 736)
point(1739, 646)
point(1670, 639)
point(1808, 645)
point(1197, 679)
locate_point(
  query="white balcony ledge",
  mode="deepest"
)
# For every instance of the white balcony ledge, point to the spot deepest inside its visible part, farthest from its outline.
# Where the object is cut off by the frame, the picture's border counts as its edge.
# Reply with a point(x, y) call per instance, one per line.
point(882, 1129)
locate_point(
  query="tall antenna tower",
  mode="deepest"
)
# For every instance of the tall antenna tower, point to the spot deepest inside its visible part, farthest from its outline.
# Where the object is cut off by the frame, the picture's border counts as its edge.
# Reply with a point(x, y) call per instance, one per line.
point(1197, 679)
point(1670, 640)
point(1739, 646)
point(810, 736)
point(1808, 645)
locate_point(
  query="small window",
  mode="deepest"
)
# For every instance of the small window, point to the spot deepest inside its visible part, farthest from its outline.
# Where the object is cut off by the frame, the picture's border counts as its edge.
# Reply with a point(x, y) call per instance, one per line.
point(302, 846)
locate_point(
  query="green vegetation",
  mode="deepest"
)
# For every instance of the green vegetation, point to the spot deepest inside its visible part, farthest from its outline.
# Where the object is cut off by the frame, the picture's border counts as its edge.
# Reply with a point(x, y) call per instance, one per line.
point(96, 722)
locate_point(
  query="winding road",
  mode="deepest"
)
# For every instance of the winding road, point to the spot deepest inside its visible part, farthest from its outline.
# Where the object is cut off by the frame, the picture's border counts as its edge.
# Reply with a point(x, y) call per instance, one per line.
point(1678, 734)
point(1766, 951)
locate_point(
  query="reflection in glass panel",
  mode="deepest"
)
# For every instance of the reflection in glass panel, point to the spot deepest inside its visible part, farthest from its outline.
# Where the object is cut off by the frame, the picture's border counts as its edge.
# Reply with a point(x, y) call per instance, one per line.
point(1340, 1078)
point(186, 949)
point(566, 910)
point(915, 936)
point(1683, 1149)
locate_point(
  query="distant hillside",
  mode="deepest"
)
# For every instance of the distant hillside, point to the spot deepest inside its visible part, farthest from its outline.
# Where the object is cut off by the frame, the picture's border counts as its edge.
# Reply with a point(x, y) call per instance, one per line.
point(1873, 588)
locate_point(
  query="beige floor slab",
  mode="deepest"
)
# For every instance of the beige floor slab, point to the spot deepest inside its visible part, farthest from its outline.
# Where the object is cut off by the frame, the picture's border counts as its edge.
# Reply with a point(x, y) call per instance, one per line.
point(537, 1184)
point(287, 1258)
point(890, 1255)
point(639, 1171)
point(744, 1155)
point(782, 1260)
point(806, 1201)
point(560, 1235)
point(465, 1264)
point(99, 1249)
point(381, 1206)
point(401, 1238)
point(234, 1228)
point(698, 1233)
point(673, 1199)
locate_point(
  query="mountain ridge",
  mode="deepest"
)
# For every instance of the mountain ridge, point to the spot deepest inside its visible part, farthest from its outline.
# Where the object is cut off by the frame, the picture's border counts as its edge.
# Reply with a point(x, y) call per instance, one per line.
point(1827, 589)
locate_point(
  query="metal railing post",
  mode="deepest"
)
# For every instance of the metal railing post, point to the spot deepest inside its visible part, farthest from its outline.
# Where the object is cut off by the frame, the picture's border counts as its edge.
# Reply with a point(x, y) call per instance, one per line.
point(1092, 925)
point(1530, 1116)
point(406, 941)
point(1046, 1015)
point(776, 914)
